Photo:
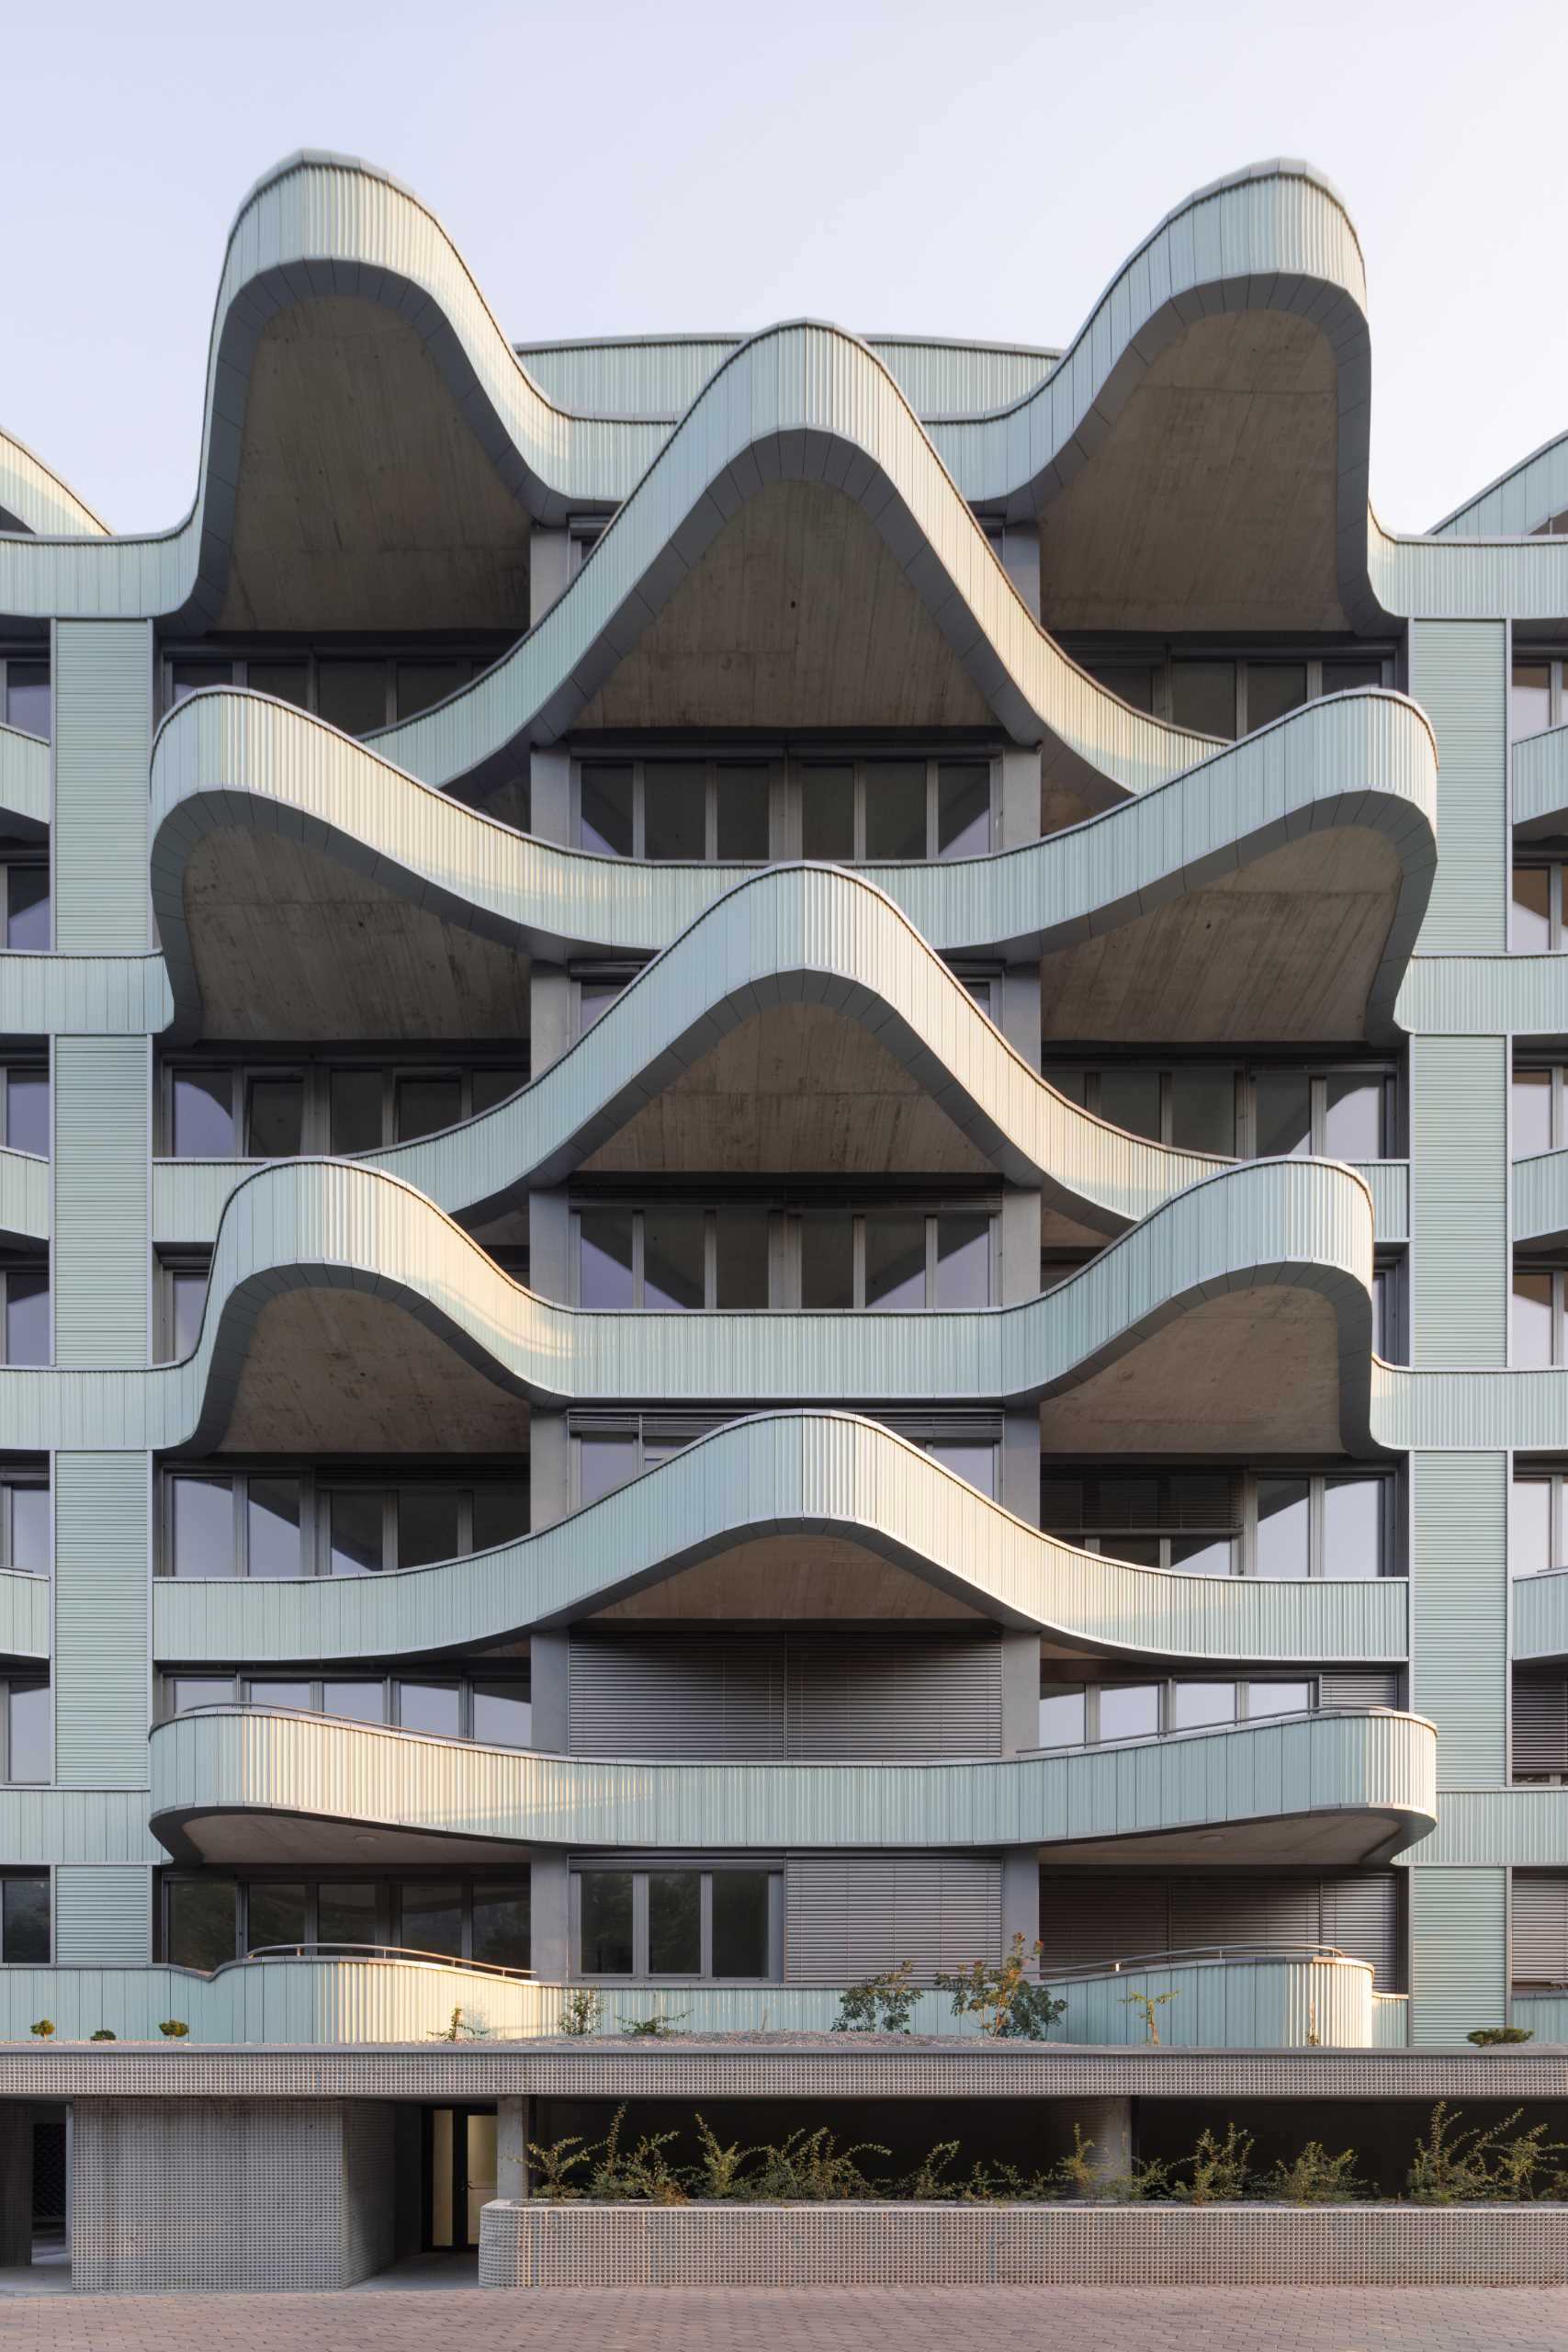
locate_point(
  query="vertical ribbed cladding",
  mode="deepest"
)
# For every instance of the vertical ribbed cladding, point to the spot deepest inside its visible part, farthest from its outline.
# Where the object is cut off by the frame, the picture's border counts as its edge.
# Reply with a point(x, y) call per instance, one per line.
point(1458, 673)
point(1458, 1952)
point(101, 1681)
point(1459, 1607)
point(219, 1761)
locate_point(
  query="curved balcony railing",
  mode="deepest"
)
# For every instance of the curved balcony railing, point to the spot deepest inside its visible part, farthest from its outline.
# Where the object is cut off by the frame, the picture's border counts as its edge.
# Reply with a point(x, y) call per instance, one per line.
point(1372, 1769)
point(305, 1223)
point(381, 1952)
point(814, 1474)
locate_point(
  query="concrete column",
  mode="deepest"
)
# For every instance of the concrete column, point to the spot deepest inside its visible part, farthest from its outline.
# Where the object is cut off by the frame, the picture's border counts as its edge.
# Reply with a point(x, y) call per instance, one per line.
point(16, 2184)
point(550, 794)
point(1021, 1896)
point(1020, 1692)
point(551, 1938)
point(1019, 549)
point(514, 2124)
point(549, 1655)
point(549, 1015)
point(1108, 2122)
point(1021, 1464)
point(1019, 800)
point(549, 569)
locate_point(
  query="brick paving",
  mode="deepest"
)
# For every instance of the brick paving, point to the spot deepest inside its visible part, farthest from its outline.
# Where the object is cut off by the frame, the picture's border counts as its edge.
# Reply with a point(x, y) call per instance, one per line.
point(1059, 2318)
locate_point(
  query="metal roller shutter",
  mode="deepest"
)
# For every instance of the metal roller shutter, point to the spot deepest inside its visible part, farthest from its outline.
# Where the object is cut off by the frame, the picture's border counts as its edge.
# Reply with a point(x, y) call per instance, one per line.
point(1363, 1913)
point(1539, 1929)
point(1540, 1723)
point(1243, 1910)
point(860, 1698)
point(887, 1699)
point(701, 1697)
point(851, 1915)
point(1085, 1919)
point(1374, 1689)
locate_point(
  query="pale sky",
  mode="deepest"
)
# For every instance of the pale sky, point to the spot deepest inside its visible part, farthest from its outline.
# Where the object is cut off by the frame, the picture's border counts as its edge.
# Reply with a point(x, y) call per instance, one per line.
point(979, 168)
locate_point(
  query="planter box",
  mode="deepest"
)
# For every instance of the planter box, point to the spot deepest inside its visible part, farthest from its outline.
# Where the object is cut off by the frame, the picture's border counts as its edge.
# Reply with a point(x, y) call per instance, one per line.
point(1022, 2246)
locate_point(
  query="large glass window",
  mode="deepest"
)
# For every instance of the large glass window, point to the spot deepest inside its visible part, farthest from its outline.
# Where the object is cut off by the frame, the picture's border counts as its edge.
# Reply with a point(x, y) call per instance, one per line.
point(25, 696)
point(1538, 1523)
point(1252, 1111)
point(1226, 697)
point(685, 811)
point(677, 1258)
point(25, 1918)
point(1334, 1523)
point(296, 1523)
point(26, 1329)
point(29, 1747)
point(495, 1711)
point(358, 693)
point(894, 811)
point(223, 1111)
point(27, 922)
point(1535, 697)
point(211, 1918)
point(1538, 1323)
point(24, 1106)
point(25, 1522)
point(1076, 1713)
point(677, 1922)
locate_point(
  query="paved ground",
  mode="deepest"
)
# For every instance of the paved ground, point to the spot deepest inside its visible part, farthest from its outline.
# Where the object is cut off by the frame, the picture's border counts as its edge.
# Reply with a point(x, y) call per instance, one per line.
point(999, 2318)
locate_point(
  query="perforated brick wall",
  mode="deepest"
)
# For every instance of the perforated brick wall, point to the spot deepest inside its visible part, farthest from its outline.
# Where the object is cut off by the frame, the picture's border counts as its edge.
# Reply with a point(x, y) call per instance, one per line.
point(913, 2245)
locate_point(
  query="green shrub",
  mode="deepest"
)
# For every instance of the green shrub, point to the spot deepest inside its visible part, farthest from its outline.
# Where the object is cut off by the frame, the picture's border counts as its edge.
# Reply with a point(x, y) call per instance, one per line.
point(882, 2004)
point(581, 2012)
point(654, 2028)
point(42, 2028)
point(1316, 2178)
point(174, 2029)
point(102, 2034)
point(1150, 2005)
point(1012, 2005)
point(1220, 2169)
point(718, 2174)
point(809, 2167)
point(1494, 2037)
point(1450, 2166)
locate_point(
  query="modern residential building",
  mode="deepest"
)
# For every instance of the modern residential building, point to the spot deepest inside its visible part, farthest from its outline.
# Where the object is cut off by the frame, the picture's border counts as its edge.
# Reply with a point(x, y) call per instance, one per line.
point(785, 1186)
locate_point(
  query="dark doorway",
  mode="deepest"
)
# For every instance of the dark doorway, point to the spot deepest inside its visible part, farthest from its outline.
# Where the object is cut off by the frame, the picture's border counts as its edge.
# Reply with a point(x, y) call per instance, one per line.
point(459, 2175)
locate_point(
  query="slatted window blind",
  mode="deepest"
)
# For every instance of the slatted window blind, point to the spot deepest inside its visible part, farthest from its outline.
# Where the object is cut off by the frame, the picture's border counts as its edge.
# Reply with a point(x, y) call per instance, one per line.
point(1085, 1918)
point(1541, 1929)
point(851, 1697)
point(849, 1915)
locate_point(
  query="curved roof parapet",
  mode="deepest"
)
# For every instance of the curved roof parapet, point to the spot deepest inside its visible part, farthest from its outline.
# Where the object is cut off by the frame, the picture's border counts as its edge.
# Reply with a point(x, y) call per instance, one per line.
point(1270, 1226)
point(1345, 1787)
point(803, 1474)
point(804, 402)
point(1519, 503)
point(34, 499)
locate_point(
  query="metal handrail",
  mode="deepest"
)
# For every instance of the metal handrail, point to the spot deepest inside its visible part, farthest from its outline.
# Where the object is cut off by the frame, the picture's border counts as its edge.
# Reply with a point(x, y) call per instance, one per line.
point(1257, 1948)
point(375, 1951)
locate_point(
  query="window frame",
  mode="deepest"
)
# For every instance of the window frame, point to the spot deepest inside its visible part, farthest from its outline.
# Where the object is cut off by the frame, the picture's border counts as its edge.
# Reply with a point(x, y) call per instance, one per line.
point(34, 1876)
point(30, 1272)
point(388, 652)
point(1246, 1070)
point(1161, 660)
point(786, 797)
point(313, 1876)
point(786, 1222)
point(36, 1481)
point(241, 1680)
point(706, 1869)
point(1243, 1536)
point(24, 657)
point(24, 1067)
point(1167, 1685)
point(315, 1075)
point(317, 1484)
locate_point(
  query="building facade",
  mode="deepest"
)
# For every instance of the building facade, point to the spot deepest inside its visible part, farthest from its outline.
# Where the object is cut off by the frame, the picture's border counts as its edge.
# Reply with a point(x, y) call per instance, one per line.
point(785, 1181)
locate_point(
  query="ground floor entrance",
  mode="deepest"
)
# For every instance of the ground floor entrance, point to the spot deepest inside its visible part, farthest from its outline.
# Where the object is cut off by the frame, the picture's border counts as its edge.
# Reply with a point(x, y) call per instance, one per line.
point(459, 2175)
